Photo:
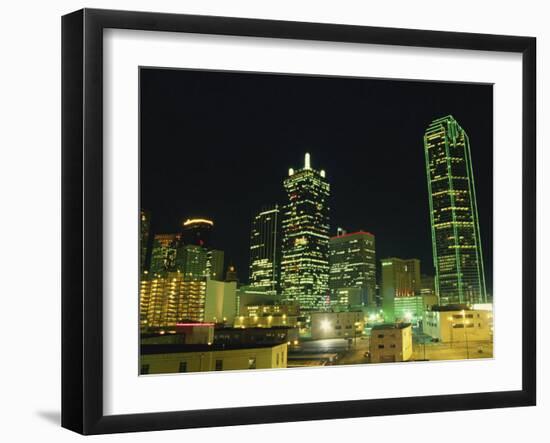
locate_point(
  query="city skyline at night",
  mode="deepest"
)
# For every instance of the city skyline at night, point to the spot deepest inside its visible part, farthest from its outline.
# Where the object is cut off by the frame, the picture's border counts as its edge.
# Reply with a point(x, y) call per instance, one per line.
point(291, 221)
point(349, 137)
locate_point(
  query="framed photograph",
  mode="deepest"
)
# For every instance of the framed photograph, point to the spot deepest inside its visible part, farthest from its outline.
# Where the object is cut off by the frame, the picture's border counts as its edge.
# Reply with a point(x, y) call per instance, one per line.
point(269, 221)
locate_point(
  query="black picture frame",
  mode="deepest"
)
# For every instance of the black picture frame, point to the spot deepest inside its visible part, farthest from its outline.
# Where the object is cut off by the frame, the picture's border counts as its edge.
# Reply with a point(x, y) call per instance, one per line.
point(82, 215)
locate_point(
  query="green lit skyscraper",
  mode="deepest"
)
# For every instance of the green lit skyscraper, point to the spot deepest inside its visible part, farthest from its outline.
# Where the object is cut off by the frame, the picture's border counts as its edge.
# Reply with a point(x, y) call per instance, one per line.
point(457, 251)
point(305, 242)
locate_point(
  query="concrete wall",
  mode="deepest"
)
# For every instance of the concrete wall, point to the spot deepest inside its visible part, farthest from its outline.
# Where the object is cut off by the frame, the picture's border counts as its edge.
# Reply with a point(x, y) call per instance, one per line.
point(391, 344)
point(233, 359)
point(453, 326)
point(221, 301)
point(336, 324)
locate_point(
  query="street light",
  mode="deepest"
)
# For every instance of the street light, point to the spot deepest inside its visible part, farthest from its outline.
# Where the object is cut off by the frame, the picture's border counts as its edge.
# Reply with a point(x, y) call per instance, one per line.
point(355, 333)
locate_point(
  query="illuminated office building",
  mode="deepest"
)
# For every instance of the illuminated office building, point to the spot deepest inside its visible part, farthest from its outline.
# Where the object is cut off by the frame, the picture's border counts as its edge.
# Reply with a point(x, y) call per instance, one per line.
point(197, 231)
point(265, 239)
point(457, 251)
point(168, 299)
point(175, 289)
point(353, 267)
point(191, 261)
point(144, 230)
point(305, 241)
point(401, 284)
point(163, 256)
point(215, 264)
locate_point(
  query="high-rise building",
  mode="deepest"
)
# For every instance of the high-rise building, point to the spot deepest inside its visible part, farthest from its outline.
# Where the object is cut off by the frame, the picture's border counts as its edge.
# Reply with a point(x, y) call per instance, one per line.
point(456, 243)
point(401, 297)
point(215, 264)
point(197, 231)
point(265, 250)
point(170, 298)
point(353, 265)
point(175, 289)
point(163, 257)
point(144, 231)
point(191, 261)
point(305, 228)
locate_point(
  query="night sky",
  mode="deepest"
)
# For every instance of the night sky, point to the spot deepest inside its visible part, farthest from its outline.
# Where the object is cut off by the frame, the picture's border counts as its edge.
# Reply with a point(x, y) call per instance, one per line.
point(219, 145)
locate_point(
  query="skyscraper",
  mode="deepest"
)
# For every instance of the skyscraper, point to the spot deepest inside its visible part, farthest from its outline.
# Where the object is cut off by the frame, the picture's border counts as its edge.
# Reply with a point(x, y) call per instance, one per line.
point(401, 284)
point(191, 262)
point(215, 260)
point(163, 257)
point(305, 227)
point(353, 265)
point(197, 231)
point(265, 250)
point(169, 299)
point(144, 230)
point(457, 251)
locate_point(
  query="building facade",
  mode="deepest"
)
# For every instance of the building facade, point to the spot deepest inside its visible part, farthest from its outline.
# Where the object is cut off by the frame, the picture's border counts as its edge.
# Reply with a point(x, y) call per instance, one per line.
point(265, 250)
point(305, 242)
point(169, 299)
point(168, 359)
point(191, 262)
point(352, 262)
point(337, 325)
point(221, 301)
point(163, 255)
point(457, 251)
point(400, 288)
point(215, 264)
point(391, 343)
point(458, 324)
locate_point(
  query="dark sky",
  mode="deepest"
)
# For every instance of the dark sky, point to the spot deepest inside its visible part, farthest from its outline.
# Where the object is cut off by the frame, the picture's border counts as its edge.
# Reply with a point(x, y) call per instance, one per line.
point(219, 145)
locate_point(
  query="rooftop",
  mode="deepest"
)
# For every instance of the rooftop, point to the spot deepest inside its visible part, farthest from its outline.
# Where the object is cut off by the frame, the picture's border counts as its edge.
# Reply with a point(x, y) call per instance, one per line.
point(348, 234)
point(255, 328)
point(448, 308)
point(184, 348)
point(384, 326)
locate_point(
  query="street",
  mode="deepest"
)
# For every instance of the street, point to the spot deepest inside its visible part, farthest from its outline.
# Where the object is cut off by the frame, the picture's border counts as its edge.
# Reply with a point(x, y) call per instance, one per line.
point(354, 353)
point(454, 351)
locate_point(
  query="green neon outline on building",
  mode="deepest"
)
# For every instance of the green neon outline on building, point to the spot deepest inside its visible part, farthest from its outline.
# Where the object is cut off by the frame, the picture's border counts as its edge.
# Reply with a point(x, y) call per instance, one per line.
point(467, 267)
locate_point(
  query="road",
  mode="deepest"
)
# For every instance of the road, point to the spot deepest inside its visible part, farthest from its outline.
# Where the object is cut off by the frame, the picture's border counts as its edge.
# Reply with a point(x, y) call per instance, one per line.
point(455, 351)
point(354, 353)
